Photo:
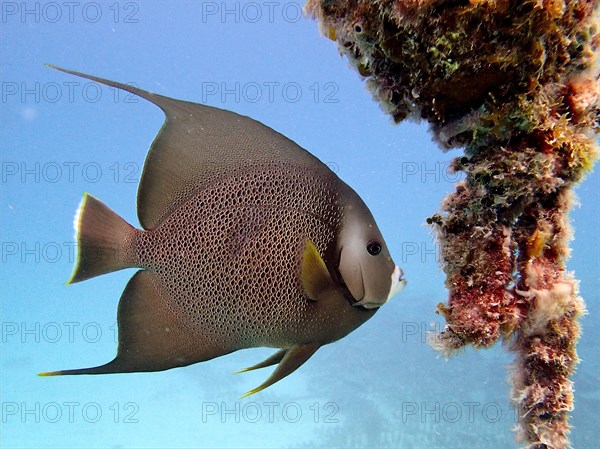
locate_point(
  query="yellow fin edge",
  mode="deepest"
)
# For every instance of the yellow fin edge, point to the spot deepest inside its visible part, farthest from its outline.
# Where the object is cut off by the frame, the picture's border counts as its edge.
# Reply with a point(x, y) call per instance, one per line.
point(251, 392)
point(50, 373)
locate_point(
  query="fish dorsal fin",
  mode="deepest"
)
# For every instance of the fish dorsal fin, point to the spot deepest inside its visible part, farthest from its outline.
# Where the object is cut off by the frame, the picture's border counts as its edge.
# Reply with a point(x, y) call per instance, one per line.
point(198, 144)
point(315, 277)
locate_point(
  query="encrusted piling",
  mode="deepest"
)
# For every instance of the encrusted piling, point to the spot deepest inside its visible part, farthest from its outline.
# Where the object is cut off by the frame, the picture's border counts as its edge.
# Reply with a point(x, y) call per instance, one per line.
point(515, 83)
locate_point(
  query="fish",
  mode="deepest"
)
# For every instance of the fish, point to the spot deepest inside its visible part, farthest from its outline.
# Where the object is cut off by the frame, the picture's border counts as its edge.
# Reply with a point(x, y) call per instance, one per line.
point(247, 240)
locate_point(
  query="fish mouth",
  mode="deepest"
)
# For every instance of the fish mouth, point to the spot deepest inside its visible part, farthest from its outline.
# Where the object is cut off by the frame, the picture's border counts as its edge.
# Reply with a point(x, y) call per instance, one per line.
point(397, 285)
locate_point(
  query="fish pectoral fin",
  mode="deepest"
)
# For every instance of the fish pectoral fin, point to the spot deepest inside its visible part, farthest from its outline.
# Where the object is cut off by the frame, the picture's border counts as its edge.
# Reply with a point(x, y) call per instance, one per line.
point(314, 275)
point(272, 360)
point(292, 359)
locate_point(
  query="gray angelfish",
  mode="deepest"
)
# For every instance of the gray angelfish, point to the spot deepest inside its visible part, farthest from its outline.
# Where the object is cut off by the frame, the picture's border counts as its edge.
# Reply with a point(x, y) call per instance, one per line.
point(248, 240)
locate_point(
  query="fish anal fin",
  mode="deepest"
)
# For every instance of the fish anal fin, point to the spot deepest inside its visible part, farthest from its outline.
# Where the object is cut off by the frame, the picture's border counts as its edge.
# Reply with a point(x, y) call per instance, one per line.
point(151, 337)
point(294, 357)
point(314, 275)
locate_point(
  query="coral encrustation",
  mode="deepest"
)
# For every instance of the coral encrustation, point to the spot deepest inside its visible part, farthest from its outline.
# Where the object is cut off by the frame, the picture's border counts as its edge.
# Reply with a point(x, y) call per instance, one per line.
point(516, 84)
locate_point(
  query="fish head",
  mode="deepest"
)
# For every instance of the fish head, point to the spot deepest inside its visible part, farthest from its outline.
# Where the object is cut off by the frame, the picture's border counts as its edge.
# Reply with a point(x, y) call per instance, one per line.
point(365, 265)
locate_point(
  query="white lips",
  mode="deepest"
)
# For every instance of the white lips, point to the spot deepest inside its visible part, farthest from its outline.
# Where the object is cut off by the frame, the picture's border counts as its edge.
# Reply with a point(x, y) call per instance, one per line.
point(398, 283)
point(397, 286)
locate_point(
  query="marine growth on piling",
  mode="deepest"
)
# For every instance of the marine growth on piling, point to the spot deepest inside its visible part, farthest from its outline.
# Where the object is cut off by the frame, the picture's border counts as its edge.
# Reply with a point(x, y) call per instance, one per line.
point(516, 85)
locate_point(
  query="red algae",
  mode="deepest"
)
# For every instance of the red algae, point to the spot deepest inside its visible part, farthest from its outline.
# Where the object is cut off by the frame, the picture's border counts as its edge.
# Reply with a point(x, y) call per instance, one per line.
point(516, 85)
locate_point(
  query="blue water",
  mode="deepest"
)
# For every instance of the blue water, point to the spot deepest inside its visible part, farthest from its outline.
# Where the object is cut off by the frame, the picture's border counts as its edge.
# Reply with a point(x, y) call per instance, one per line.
point(382, 386)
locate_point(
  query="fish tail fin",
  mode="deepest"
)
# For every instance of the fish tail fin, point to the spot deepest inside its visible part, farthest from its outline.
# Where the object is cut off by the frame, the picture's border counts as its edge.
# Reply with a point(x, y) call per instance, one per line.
point(104, 240)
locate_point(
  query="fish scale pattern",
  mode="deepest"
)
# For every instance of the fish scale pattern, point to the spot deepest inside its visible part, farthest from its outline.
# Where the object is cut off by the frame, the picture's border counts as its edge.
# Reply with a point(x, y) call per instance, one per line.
point(230, 256)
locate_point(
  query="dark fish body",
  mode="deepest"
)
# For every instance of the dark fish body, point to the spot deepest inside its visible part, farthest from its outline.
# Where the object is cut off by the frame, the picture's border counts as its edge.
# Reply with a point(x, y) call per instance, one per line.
point(247, 241)
point(248, 233)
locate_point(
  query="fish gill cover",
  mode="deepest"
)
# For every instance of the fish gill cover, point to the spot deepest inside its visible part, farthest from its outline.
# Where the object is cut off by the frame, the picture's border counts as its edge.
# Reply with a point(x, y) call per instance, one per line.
point(516, 84)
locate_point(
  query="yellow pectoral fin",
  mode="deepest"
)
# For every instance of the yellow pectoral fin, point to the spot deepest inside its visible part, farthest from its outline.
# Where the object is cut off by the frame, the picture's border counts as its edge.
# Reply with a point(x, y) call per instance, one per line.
point(315, 277)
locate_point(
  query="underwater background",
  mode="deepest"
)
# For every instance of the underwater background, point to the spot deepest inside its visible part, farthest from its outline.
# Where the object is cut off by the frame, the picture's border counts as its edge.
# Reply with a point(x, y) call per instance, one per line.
point(382, 386)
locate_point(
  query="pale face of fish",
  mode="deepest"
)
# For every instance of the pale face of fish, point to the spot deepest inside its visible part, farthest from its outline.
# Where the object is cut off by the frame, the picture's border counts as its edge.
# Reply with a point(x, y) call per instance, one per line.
point(366, 266)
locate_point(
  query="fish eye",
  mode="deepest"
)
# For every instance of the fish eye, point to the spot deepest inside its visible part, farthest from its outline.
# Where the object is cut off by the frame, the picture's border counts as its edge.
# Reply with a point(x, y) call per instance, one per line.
point(374, 247)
